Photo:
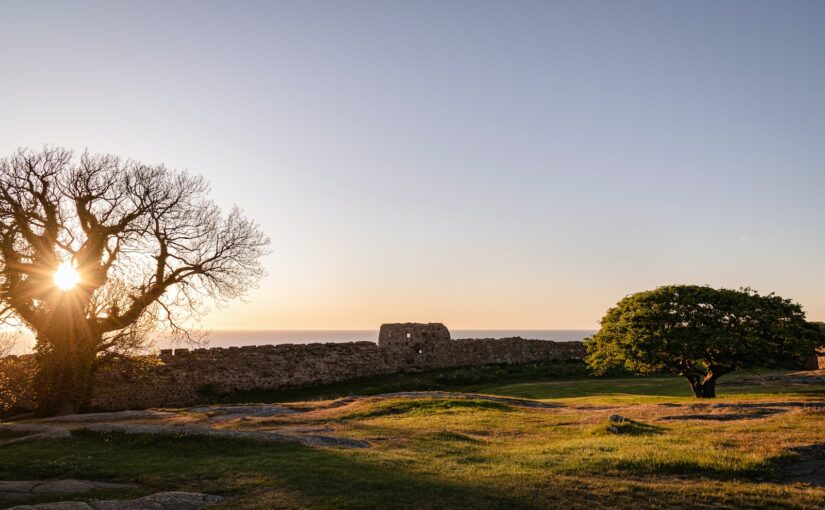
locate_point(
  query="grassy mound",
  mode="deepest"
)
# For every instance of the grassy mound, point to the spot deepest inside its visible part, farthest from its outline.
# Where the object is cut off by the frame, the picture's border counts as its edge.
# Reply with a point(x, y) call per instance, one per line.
point(426, 406)
point(624, 427)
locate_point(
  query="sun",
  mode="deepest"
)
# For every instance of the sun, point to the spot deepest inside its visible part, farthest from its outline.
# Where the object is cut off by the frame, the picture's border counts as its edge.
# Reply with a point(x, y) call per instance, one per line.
point(66, 276)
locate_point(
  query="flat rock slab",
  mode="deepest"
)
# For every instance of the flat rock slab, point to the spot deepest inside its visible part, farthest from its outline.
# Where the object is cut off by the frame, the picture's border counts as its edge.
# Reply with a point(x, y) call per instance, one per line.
point(39, 431)
point(159, 501)
point(67, 486)
point(242, 411)
point(148, 414)
point(194, 430)
point(33, 432)
point(60, 505)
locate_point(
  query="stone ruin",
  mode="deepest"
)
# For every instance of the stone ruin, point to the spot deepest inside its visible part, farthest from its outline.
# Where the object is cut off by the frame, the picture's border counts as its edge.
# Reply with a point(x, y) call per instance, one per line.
point(416, 344)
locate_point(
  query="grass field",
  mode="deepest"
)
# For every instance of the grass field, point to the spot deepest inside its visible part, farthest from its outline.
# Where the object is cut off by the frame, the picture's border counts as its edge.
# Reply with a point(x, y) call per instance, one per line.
point(475, 454)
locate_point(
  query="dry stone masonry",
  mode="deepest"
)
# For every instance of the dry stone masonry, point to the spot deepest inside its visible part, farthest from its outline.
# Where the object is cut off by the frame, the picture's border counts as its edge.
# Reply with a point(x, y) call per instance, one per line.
point(186, 377)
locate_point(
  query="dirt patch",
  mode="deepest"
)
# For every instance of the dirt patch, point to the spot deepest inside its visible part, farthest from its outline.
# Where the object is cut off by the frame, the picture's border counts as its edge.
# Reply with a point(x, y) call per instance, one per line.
point(758, 405)
point(750, 415)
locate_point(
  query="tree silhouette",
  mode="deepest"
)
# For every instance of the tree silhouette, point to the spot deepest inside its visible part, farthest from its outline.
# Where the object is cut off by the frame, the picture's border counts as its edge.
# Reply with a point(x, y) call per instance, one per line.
point(148, 246)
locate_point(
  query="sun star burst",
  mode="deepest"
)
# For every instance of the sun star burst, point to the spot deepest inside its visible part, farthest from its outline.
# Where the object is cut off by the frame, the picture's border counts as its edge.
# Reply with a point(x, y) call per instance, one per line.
point(66, 276)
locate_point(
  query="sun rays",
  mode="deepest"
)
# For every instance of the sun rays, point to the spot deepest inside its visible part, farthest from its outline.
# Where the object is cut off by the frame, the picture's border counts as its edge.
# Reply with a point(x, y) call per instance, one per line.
point(66, 277)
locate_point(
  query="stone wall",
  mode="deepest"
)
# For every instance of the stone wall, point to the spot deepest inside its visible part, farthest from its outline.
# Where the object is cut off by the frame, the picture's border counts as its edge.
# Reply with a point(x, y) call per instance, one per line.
point(186, 377)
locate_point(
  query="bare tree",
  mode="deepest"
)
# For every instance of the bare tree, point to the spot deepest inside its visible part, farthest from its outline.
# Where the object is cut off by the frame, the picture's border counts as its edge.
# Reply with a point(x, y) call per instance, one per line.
point(7, 341)
point(145, 244)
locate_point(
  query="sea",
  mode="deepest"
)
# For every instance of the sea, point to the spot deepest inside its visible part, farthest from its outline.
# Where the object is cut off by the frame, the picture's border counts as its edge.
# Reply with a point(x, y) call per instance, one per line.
point(225, 338)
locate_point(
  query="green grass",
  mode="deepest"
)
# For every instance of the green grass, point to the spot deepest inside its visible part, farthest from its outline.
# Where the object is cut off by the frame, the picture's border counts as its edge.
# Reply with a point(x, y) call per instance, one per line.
point(455, 379)
point(548, 380)
point(10, 434)
point(634, 389)
point(475, 454)
point(426, 407)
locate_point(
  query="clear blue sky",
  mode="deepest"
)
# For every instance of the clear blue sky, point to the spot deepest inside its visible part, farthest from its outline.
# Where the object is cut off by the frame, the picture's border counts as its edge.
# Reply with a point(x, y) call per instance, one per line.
point(484, 164)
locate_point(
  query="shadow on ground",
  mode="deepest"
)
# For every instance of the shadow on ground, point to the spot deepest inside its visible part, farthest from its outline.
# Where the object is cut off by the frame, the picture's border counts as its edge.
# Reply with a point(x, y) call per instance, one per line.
point(245, 471)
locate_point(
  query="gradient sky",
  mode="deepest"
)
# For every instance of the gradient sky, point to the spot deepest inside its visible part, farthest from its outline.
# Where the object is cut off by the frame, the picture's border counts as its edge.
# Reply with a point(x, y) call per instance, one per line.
point(482, 164)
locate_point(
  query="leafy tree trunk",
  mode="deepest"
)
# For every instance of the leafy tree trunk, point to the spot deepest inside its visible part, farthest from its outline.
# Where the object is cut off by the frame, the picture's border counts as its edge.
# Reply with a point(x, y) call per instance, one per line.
point(703, 386)
point(709, 387)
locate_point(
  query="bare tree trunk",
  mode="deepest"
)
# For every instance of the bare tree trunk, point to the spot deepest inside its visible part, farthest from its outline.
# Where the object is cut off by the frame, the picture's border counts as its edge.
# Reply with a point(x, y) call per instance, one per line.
point(65, 375)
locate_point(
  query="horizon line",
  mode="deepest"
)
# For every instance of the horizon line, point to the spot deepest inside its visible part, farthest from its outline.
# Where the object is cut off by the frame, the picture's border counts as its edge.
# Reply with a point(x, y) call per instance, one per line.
point(376, 329)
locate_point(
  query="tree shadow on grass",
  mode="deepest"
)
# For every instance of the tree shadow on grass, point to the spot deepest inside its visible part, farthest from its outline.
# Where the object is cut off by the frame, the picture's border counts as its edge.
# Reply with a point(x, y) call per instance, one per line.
point(245, 471)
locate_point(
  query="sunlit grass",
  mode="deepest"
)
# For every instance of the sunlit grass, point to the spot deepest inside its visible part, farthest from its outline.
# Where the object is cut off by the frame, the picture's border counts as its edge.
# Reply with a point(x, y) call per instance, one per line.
point(473, 453)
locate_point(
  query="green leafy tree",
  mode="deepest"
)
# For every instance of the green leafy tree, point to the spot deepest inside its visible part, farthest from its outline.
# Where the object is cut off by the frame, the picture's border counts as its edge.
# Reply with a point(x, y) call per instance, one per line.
point(701, 334)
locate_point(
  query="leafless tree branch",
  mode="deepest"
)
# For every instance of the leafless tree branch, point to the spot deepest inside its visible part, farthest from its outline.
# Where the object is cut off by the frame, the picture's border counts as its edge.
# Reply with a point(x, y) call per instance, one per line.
point(149, 245)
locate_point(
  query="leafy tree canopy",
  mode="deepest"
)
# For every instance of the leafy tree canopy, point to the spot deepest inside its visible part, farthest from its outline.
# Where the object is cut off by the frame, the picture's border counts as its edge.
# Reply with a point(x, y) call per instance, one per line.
point(701, 333)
